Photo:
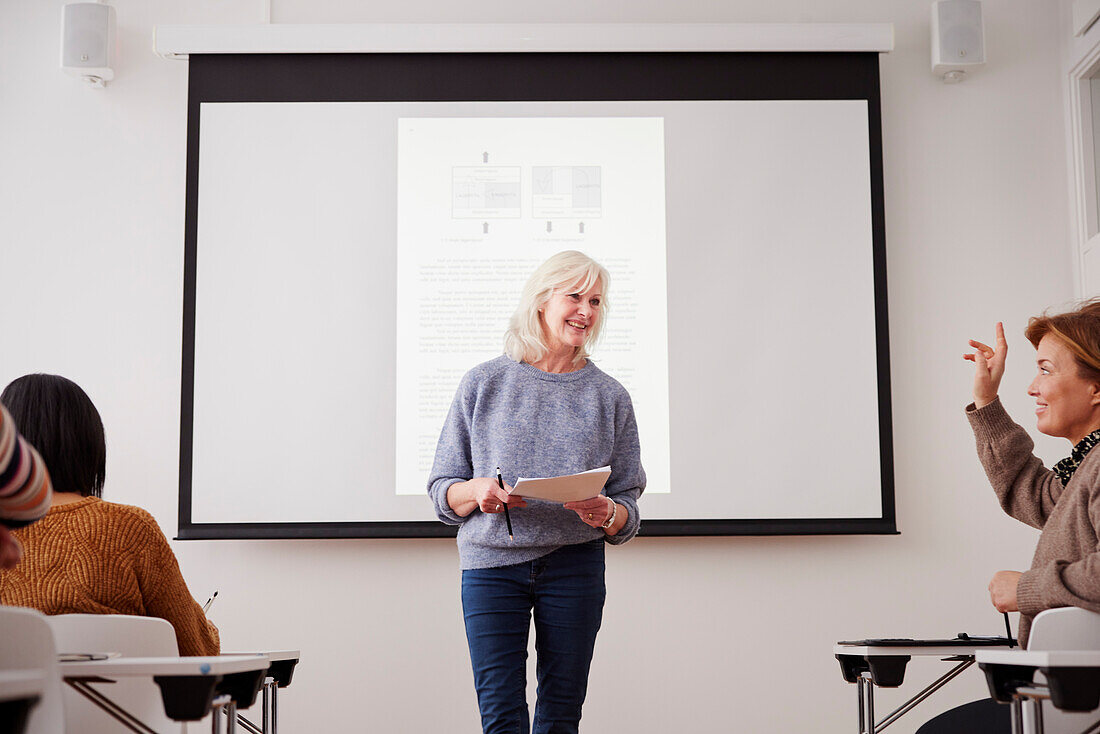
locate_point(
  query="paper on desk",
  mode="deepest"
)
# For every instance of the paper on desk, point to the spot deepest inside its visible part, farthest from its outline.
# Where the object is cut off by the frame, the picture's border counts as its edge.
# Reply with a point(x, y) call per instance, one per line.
point(568, 488)
point(79, 657)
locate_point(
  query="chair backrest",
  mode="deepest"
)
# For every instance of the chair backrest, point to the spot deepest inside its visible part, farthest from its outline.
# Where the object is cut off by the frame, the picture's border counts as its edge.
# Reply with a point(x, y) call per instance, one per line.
point(26, 642)
point(1065, 628)
point(128, 636)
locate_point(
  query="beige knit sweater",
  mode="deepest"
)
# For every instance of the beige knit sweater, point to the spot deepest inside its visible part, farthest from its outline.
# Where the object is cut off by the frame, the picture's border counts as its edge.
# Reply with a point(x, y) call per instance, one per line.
point(97, 557)
point(1065, 571)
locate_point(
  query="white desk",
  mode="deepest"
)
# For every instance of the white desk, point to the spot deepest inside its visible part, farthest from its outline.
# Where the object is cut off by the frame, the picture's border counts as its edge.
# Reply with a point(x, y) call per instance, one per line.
point(20, 691)
point(1073, 680)
point(212, 666)
point(190, 687)
point(872, 665)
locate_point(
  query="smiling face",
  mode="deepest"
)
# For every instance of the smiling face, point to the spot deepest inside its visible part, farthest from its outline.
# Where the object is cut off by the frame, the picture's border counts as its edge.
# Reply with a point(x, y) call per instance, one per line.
point(569, 316)
point(1067, 404)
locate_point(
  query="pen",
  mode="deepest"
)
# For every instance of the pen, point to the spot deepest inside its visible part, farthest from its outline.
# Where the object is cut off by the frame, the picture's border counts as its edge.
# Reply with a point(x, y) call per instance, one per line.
point(209, 601)
point(507, 517)
point(1008, 630)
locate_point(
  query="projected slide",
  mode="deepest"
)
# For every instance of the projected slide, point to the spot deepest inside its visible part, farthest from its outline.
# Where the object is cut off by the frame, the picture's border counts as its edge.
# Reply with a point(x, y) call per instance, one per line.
point(458, 281)
point(352, 260)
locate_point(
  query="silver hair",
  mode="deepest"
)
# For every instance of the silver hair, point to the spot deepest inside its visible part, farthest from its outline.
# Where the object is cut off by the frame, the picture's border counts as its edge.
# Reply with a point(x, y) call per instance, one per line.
point(572, 271)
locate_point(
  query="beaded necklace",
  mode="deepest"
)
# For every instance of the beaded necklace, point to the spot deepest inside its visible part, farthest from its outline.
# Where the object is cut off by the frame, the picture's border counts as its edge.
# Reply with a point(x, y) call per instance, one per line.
point(1067, 466)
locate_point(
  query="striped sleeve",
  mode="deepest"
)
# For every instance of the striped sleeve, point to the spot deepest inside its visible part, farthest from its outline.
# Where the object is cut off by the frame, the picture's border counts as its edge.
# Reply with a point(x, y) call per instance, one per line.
point(24, 482)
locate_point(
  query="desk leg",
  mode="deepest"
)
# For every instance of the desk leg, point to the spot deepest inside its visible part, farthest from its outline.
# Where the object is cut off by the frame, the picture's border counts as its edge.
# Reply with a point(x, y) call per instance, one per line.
point(1037, 719)
point(1017, 716)
point(267, 707)
point(274, 709)
point(231, 718)
point(859, 695)
point(869, 715)
point(265, 718)
point(217, 709)
point(928, 691)
point(109, 707)
point(1092, 729)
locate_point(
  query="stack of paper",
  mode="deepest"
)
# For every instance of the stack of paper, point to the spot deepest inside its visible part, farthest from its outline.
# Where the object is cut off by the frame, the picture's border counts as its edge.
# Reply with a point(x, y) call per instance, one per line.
point(568, 488)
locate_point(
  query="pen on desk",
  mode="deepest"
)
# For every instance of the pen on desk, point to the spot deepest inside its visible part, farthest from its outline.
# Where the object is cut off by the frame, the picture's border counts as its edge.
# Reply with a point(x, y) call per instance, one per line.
point(209, 602)
point(507, 517)
point(1008, 631)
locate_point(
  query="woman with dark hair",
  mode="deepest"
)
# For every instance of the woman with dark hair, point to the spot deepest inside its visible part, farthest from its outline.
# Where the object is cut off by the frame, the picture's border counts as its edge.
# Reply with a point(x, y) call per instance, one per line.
point(87, 555)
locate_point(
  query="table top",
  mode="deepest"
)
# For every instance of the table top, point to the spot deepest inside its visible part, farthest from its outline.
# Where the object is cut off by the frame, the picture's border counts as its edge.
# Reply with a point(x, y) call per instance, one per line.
point(19, 683)
point(915, 650)
point(165, 666)
point(1042, 658)
point(274, 656)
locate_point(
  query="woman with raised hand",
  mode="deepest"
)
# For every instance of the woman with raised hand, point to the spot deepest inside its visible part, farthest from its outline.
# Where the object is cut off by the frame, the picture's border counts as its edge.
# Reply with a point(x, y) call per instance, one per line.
point(1064, 502)
point(542, 409)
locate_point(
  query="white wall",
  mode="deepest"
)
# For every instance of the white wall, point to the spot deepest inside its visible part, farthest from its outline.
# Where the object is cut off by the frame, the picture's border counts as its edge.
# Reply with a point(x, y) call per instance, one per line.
point(726, 634)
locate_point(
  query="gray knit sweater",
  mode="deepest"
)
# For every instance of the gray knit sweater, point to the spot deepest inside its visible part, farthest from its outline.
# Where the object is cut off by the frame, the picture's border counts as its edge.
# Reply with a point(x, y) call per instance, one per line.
point(1065, 571)
point(532, 423)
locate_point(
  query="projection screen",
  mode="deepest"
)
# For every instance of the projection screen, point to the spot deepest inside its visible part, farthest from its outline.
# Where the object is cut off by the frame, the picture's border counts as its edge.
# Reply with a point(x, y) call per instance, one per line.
point(359, 227)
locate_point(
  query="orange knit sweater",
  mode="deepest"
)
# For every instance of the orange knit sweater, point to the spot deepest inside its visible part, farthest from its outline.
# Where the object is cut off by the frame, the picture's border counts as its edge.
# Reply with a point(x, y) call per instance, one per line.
point(96, 557)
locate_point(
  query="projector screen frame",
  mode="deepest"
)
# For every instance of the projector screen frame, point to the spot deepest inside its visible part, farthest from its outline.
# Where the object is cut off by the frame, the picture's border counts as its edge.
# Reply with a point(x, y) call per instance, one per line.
point(580, 76)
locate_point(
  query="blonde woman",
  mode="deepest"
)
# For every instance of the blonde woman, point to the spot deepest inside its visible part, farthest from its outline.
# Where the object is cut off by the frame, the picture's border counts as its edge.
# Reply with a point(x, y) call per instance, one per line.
point(542, 409)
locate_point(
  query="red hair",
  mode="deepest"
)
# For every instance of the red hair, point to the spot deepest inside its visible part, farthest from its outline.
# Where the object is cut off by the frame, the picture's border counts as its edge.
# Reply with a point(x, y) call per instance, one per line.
point(1078, 330)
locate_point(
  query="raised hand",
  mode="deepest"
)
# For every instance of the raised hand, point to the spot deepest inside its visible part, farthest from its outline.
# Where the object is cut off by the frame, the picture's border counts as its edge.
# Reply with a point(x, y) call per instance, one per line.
point(989, 367)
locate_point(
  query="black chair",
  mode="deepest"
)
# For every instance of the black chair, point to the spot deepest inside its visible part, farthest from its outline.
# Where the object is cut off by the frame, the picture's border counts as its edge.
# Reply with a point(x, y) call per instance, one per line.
point(984, 716)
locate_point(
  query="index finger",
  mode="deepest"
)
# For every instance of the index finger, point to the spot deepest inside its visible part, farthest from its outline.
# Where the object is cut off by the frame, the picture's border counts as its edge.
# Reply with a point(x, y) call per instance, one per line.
point(1002, 343)
point(983, 348)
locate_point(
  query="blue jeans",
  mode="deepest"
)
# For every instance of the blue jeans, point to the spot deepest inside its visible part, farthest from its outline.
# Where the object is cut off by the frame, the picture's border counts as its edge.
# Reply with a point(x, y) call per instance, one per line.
point(566, 590)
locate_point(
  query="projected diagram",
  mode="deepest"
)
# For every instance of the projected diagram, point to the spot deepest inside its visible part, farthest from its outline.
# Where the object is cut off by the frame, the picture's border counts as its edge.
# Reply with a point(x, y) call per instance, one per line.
point(485, 192)
point(566, 192)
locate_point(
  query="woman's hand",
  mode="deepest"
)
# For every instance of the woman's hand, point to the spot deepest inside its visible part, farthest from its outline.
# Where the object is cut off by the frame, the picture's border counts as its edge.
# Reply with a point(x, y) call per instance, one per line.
point(481, 493)
point(593, 512)
point(989, 367)
point(1002, 590)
